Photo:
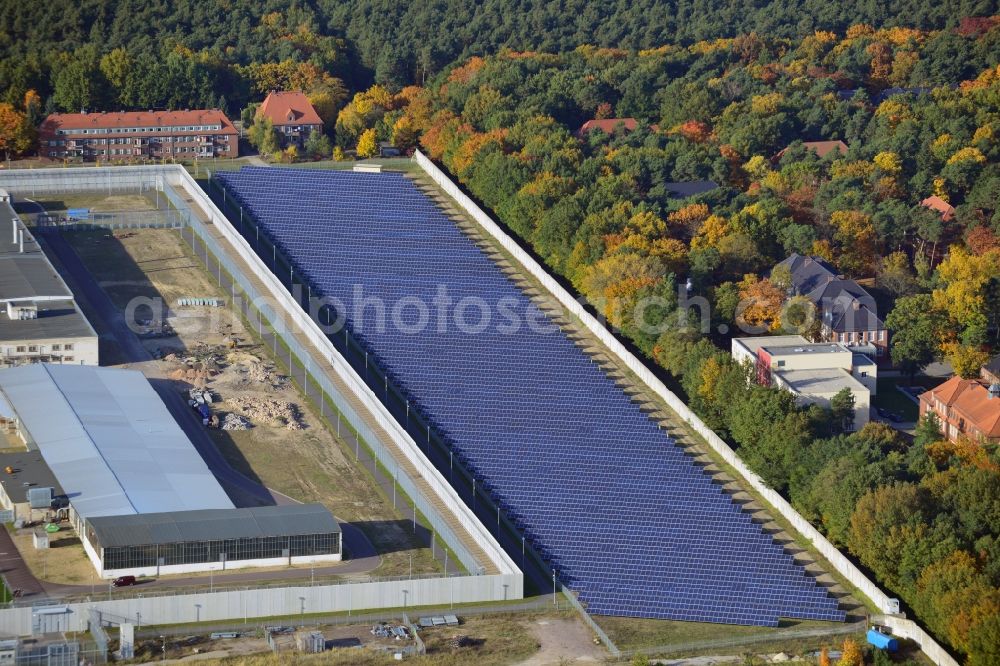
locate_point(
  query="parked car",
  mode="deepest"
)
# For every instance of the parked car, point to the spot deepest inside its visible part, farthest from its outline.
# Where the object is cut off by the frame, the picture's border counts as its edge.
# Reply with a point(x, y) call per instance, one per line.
point(882, 412)
point(123, 581)
point(895, 418)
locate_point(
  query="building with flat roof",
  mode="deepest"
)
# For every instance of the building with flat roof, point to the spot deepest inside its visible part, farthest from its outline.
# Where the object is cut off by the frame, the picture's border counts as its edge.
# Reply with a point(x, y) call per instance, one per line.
point(818, 387)
point(136, 135)
point(24, 476)
point(39, 319)
point(153, 543)
point(292, 114)
point(119, 457)
point(811, 370)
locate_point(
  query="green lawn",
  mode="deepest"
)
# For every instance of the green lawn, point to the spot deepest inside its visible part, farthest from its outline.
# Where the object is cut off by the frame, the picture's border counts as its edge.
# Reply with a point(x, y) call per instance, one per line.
point(894, 401)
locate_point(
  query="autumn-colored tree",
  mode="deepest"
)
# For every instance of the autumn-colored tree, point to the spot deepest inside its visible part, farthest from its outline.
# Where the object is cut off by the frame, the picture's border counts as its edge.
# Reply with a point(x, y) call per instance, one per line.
point(613, 283)
point(964, 279)
point(968, 451)
point(367, 144)
point(695, 131)
point(15, 133)
point(338, 154)
point(327, 100)
point(760, 303)
point(965, 360)
point(603, 111)
point(851, 654)
point(981, 240)
point(712, 230)
point(855, 234)
point(404, 134)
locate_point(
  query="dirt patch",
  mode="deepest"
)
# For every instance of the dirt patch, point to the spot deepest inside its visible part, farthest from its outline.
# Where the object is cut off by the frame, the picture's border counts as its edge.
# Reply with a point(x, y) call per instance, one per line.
point(64, 561)
point(563, 641)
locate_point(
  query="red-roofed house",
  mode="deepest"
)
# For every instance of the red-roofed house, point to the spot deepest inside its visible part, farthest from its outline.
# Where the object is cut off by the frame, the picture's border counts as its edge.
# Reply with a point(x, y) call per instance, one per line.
point(965, 407)
point(607, 125)
point(292, 115)
point(940, 205)
point(135, 135)
point(821, 148)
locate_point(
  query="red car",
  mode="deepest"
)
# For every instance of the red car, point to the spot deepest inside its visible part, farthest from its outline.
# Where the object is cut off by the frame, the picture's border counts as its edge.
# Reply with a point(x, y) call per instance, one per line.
point(123, 581)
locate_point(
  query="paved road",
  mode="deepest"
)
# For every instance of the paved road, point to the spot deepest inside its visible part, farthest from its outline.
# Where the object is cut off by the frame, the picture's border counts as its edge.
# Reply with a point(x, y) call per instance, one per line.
point(106, 319)
point(14, 570)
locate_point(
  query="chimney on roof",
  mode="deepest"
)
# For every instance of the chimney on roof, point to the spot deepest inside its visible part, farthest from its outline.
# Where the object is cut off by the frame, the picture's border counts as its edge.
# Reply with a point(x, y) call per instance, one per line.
point(20, 233)
point(856, 305)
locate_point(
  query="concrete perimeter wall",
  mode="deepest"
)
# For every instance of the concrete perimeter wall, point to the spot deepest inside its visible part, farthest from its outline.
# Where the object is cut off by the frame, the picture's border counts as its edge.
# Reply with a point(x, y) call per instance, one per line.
point(253, 603)
point(844, 566)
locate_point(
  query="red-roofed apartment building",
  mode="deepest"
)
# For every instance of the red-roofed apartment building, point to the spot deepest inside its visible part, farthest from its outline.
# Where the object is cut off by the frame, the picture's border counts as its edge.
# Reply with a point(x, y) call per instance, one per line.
point(136, 135)
point(940, 205)
point(292, 115)
point(965, 407)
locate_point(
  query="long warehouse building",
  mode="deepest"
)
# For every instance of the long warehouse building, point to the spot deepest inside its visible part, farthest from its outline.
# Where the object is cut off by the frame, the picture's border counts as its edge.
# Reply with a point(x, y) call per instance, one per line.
point(139, 494)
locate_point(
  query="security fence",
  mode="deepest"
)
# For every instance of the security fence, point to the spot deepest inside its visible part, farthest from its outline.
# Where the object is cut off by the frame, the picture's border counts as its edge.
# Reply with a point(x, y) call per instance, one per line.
point(100, 221)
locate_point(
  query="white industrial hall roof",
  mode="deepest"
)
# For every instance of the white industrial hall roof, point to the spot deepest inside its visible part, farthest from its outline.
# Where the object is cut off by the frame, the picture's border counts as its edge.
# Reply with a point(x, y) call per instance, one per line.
point(109, 440)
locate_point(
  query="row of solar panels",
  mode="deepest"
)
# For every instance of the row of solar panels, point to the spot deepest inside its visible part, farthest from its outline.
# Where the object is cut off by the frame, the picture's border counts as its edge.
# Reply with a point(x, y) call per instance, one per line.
point(627, 519)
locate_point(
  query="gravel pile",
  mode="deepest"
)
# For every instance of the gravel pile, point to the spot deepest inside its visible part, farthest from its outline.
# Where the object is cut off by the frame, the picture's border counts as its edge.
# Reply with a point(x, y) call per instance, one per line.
point(236, 422)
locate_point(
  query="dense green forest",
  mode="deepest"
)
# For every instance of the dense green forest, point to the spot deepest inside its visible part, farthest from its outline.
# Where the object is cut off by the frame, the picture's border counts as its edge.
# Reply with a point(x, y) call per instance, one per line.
point(923, 515)
point(722, 91)
point(194, 53)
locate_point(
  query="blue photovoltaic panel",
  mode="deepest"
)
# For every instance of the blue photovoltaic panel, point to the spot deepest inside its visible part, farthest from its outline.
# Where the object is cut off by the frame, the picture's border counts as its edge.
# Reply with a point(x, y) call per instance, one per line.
point(626, 518)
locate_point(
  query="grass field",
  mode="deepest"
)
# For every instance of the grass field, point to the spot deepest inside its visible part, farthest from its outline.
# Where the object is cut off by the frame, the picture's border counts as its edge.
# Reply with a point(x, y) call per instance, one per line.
point(892, 400)
point(635, 633)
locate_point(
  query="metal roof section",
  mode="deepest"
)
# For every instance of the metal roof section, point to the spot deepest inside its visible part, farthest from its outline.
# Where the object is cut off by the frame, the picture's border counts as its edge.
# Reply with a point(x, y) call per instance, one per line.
point(110, 440)
point(213, 525)
point(25, 271)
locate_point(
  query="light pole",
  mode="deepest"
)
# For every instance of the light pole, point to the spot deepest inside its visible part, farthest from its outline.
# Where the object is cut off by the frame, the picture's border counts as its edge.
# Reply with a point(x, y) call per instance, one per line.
point(302, 609)
point(164, 650)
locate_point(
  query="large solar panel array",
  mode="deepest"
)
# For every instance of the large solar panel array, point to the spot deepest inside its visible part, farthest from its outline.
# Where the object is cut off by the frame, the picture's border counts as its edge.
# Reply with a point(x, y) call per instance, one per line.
point(628, 520)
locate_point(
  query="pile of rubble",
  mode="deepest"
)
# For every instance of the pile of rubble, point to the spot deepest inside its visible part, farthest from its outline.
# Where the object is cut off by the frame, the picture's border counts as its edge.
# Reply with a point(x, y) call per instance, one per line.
point(383, 630)
point(254, 373)
point(236, 422)
point(269, 411)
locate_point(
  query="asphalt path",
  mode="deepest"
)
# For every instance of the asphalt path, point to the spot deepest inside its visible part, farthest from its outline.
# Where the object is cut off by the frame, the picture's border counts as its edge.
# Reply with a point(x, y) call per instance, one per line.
point(107, 320)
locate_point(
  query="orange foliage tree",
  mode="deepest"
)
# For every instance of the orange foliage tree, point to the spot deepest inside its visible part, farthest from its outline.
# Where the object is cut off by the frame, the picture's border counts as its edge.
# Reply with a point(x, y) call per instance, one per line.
point(760, 302)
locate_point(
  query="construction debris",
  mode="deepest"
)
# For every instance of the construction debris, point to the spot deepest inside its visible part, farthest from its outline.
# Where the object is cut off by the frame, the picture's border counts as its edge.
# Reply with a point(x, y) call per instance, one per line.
point(383, 630)
point(269, 411)
point(236, 422)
